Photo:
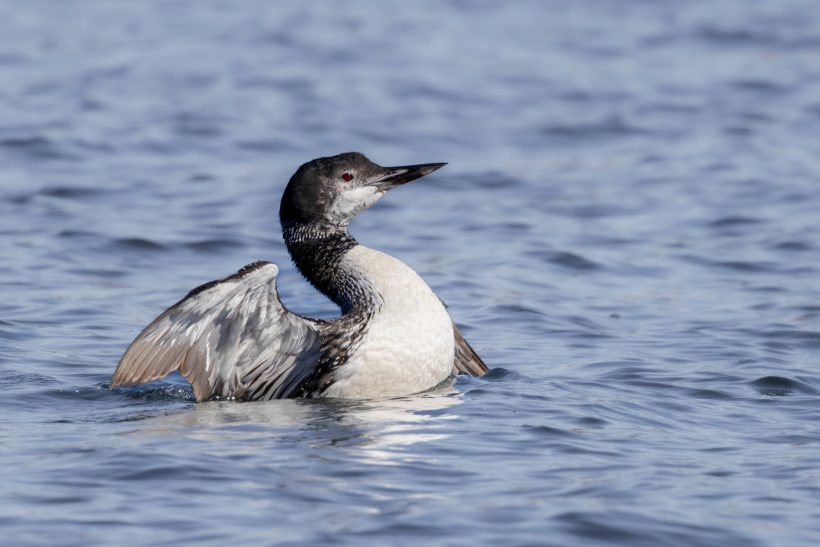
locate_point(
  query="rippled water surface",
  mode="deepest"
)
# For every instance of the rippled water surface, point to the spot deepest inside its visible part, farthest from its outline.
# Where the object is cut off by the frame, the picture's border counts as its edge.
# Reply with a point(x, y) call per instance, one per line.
point(627, 232)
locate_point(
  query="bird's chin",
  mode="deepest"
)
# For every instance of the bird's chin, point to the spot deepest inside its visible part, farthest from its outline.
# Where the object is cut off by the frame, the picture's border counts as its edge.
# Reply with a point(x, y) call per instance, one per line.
point(352, 202)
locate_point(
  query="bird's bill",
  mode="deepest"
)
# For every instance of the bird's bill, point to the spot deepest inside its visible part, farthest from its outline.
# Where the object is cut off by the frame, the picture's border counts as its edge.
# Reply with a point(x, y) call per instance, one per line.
point(396, 176)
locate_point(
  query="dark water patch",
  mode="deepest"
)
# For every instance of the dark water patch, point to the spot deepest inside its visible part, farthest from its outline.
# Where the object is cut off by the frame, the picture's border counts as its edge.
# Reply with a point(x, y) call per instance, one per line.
point(759, 86)
point(18, 333)
point(585, 322)
point(95, 147)
point(708, 394)
point(498, 374)
point(566, 259)
point(778, 347)
point(733, 220)
point(36, 147)
point(670, 107)
point(127, 244)
point(518, 309)
point(779, 386)
point(624, 528)
point(201, 177)
point(799, 337)
point(215, 245)
point(631, 367)
point(437, 93)
point(99, 272)
point(197, 125)
point(733, 36)
point(490, 180)
point(77, 234)
point(604, 129)
point(514, 227)
point(18, 199)
point(592, 422)
point(578, 450)
point(298, 85)
point(765, 289)
point(795, 246)
point(158, 473)
point(738, 130)
point(741, 266)
point(47, 500)
point(595, 211)
point(745, 265)
point(13, 379)
point(649, 385)
point(266, 145)
point(74, 192)
point(605, 240)
point(548, 431)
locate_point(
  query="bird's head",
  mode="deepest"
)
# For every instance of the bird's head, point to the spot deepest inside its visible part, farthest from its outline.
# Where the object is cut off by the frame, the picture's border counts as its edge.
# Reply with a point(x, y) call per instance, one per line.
point(331, 191)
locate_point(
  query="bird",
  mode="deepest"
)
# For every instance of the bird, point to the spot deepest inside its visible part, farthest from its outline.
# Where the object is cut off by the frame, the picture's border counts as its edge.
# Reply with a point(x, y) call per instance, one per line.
point(233, 339)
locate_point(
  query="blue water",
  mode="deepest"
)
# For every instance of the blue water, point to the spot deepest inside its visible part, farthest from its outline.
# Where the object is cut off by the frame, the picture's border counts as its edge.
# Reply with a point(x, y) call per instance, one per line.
point(627, 231)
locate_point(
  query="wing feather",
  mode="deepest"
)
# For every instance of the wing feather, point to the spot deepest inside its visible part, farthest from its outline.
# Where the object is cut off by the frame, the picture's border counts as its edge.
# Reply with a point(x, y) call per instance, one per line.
point(229, 338)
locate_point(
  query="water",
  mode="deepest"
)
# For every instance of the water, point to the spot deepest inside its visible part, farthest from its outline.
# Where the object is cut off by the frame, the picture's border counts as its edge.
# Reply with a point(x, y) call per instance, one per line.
point(627, 233)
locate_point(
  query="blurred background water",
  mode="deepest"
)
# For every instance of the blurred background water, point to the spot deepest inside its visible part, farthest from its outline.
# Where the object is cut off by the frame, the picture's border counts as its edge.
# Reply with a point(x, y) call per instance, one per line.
point(627, 233)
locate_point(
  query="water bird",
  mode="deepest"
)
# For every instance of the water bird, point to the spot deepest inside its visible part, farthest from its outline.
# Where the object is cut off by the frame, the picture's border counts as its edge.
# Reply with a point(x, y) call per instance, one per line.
point(233, 339)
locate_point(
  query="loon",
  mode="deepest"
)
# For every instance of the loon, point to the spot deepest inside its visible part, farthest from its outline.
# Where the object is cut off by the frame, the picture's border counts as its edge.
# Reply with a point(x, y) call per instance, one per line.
point(234, 339)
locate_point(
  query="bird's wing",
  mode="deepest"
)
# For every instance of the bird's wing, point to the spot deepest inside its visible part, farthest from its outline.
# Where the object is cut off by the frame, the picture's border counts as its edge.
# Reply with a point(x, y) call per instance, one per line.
point(230, 338)
point(467, 360)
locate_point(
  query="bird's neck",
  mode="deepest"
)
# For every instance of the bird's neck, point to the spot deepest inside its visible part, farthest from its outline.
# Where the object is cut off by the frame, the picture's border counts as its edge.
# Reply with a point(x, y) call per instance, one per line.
point(318, 252)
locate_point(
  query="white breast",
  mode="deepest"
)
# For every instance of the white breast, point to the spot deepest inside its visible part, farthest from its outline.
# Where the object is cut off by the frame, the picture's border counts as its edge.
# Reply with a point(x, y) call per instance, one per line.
point(409, 344)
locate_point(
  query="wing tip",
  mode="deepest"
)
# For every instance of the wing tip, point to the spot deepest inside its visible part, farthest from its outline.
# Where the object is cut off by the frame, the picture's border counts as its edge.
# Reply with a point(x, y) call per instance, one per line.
point(467, 360)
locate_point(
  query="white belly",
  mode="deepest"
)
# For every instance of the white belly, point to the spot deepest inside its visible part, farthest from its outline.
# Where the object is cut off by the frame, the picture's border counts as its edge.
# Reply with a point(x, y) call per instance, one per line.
point(409, 344)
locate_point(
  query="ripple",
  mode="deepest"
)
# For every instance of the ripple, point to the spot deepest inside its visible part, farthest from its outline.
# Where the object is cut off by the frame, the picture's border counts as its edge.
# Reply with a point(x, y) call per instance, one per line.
point(498, 375)
point(759, 86)
point(796, 246)
point(779, 386)
point(99, 272)
point(570, 260)
point(73, 192)
point(213, 245)
point(13, 379)
point(135, 244)
point(620, 527)
point(805, 338)
point(743, 266)
point(609, 128)
point(36, 147)
point(731, 221)
point(156, 391)
point(77, 234)
point(548, 431)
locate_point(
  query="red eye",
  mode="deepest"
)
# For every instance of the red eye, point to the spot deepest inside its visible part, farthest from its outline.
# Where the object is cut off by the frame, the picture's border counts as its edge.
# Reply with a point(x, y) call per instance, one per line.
point(347, 176)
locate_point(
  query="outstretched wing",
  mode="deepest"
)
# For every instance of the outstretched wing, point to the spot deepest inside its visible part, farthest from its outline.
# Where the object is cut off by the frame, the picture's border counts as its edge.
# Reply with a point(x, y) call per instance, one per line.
point(467, 360)
point(230, 338)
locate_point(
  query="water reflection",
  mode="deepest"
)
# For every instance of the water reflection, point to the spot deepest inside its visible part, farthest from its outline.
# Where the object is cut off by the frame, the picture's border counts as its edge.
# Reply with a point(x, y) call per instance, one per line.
point(375, 427)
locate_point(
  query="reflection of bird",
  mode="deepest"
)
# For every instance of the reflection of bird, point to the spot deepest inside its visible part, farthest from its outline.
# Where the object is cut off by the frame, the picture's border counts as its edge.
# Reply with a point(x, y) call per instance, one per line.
point(232, 338)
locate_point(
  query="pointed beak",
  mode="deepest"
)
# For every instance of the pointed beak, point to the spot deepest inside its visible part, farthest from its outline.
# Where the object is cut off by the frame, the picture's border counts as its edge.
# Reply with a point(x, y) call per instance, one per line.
point(396, 176)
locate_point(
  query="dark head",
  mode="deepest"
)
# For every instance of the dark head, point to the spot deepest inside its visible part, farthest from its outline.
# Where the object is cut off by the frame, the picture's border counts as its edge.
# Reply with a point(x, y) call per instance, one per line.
point(329, 192)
